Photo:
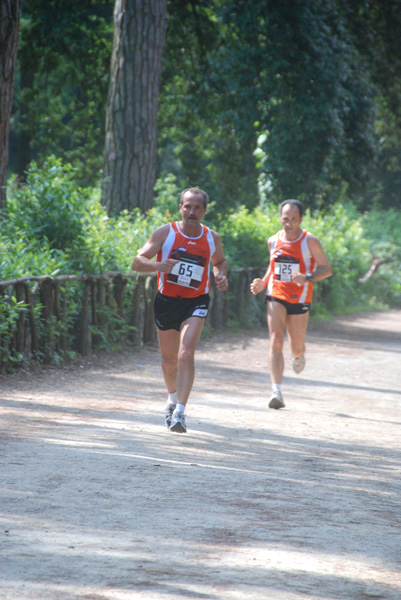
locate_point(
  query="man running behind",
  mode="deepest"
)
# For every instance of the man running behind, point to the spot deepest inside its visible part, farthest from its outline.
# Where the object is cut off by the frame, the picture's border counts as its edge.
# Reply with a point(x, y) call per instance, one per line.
point(297, 261)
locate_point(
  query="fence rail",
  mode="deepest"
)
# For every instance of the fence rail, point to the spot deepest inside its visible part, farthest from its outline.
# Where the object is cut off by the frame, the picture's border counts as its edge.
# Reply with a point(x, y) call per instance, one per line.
point(47, 319)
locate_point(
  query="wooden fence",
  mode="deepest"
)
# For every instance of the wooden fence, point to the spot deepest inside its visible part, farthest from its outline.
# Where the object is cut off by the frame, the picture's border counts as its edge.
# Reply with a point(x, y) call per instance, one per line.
point(48, 319)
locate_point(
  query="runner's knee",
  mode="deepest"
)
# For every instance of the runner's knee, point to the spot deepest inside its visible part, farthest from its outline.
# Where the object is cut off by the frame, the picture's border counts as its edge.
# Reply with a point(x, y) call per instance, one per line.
point(169, 363)
point(276, 341)
point(186, 356)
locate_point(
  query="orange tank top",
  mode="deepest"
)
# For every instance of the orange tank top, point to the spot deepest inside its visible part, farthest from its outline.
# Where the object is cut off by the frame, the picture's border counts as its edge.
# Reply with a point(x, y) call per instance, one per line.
point(287, 258)
point(191, 275)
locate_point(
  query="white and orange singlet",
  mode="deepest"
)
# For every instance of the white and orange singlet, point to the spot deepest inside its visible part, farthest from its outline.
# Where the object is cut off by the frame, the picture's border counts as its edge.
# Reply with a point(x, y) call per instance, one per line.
point(287, 258)
point(190, 277)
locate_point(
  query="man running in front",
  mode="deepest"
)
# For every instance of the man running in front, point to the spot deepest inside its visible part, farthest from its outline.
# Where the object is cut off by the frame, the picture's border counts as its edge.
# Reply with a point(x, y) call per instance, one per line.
point(184, 251)
point(297, 261)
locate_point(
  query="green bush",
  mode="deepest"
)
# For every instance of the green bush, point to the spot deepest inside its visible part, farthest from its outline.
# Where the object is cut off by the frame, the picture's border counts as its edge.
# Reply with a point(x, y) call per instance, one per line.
point(20, 255)
point(49, 206)
point(55, 227)
point(383, 230)
point(245, 234)
point(341, 234)
point(10, 311)
point(350, 240)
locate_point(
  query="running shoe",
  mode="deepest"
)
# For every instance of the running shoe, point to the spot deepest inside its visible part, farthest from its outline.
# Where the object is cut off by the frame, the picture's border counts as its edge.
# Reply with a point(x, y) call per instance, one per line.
point(276, 400)
point(178, 422)
point(169, 414)
point(298, 364)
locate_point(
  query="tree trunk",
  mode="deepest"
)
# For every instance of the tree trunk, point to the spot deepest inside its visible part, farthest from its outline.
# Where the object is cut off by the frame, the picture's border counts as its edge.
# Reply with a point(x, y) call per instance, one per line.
point(130, 145)
point(23, 152)
point(10, 13)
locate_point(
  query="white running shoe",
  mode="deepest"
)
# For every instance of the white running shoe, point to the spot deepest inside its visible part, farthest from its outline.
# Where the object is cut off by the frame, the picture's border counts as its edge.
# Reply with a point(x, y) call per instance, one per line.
point(298, 364)
point(169, 414)
point(276, 400)
point(178, 422)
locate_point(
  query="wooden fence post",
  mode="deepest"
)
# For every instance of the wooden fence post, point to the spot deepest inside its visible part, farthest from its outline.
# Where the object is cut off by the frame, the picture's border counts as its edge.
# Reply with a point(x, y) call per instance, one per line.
point(4, 346)
point(120, 284)
point(150, 289)
point(216, 313)
point(136, 320)
point(84, 321)
point(33, 346)
point(46, 295)
point(101, 301)
point(20, 330)
point(94, 287)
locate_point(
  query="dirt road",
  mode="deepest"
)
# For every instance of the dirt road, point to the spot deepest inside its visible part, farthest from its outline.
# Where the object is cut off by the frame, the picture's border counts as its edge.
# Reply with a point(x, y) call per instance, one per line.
point(99, 502)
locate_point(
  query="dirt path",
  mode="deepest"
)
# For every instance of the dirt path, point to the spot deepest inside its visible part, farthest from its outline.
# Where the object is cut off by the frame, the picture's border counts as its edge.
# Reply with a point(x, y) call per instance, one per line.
point(99, 502)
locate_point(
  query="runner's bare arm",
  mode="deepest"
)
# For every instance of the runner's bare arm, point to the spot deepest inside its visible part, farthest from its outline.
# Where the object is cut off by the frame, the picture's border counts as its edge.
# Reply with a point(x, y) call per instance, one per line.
point(143, 262)
point(323, 269)
point(220, 265)
point(259, 284)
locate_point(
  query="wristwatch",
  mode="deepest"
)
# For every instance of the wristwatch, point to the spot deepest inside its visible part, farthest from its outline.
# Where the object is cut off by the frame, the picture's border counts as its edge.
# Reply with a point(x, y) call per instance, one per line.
point(309, 277)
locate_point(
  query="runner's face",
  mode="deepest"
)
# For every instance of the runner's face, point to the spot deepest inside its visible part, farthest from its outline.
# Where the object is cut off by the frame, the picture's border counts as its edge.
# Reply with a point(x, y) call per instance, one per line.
point(192, 210)
point(291, 220)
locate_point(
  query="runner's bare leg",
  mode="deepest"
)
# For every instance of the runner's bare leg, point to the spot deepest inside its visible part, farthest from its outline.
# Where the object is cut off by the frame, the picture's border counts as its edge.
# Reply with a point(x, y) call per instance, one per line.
point(296, 329)
point(169, 344)
point(191, 330)
point(276, 322)
point(177, 349)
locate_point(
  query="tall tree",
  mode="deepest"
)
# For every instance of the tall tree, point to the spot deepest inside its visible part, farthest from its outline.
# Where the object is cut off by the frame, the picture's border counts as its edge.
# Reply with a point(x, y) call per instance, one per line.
point(131, 132)
point(10, 14)
point(298, 64)
point(206, 125)
point(302, 78)
point(61, 87)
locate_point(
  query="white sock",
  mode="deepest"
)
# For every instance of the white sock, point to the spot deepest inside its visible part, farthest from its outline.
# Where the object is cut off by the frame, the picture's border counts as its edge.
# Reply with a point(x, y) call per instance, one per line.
point(172, 399)
point(180, 407)
point(276, 387)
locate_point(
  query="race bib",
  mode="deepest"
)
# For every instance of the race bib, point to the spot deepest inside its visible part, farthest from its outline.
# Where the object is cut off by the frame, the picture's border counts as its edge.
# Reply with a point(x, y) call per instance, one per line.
point(284, 269)
point(188, 272)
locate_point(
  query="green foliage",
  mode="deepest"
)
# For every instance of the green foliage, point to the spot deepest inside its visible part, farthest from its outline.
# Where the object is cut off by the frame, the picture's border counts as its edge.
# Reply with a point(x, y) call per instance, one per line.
point(167, 194)
point(304, 84)
point(118, 329)
point(10, 311)
point(342, 236)
point(350, 241)
point(49, 207)
point(20, 255)
point(54, 227)
point(206, 132)
point(314, 86)
point(383, 230)
point(244, 234)
point(61, 85)
point(112, 243)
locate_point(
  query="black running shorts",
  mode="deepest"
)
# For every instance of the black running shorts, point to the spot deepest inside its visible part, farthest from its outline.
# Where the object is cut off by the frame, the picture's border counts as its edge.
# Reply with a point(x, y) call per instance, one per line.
point(170, 312)
point(292, 309)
